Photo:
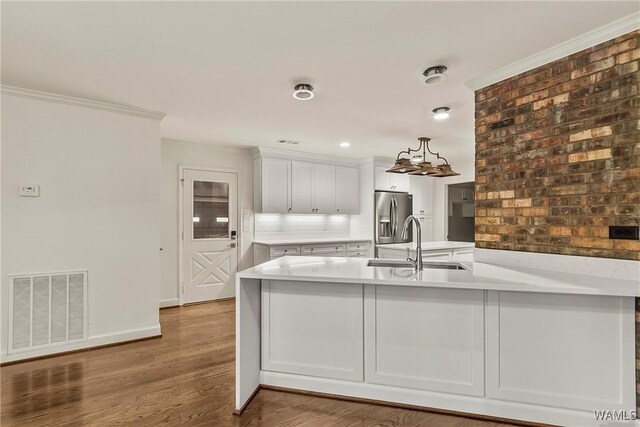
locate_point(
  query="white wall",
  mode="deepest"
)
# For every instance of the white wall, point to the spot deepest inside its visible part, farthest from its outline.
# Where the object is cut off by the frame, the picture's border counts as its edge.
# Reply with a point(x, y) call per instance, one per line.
point(362, 224)
point(98, 209)
point(440, 194)
point(175, 154)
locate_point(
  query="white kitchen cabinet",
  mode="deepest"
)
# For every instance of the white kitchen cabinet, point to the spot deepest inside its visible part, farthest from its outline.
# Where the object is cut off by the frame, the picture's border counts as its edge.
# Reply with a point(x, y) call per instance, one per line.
point(283, 184)
point(264, 252)
point(273, 191)
point(302, 187)
point(422, 189)
point(561, 350)
point(334, 249)
point(324, 189)
point(312, 329)
point(425, 338)
point(347, 190)
point(385, 181)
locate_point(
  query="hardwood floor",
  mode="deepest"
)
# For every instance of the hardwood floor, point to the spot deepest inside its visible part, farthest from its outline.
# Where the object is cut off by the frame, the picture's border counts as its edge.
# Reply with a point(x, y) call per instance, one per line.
point(184, 378)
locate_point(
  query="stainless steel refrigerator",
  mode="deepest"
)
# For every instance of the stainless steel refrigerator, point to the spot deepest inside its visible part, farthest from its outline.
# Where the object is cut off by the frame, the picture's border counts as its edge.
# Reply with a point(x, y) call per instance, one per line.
point(391, 210)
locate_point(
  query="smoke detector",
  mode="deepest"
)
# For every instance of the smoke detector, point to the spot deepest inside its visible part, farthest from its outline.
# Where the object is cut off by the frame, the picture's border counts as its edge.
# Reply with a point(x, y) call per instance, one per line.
point(435, 75)
point(303, 92)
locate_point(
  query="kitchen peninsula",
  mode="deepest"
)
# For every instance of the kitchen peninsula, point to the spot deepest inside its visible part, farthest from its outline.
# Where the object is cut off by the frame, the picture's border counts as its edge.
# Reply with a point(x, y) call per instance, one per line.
point(496, 339)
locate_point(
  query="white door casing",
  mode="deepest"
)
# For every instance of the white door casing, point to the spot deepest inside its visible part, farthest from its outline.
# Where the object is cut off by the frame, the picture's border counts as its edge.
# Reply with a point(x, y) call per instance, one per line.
point(209, 258)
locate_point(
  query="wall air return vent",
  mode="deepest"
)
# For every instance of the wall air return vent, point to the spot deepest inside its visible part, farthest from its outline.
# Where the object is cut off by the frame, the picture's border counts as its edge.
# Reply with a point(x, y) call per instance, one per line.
point(47, 310)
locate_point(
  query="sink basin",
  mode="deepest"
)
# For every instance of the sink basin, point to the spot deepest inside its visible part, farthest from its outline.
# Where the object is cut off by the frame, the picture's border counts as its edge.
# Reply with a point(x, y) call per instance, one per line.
point(393, 263)
point(398, 263)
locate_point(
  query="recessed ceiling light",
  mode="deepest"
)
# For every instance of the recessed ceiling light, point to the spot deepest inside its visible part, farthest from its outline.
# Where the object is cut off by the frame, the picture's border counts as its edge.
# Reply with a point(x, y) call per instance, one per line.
point(303, 92)
point(345, 144)
point(435, 75)
point(441, 113)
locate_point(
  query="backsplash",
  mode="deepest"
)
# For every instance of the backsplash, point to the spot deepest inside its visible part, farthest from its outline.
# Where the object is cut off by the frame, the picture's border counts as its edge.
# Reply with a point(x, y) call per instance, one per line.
point(289, 226)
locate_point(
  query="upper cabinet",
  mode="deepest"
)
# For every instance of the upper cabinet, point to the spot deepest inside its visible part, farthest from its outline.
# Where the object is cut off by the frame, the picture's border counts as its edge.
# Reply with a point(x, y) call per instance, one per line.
point(272, 185)
point(347, 190)
point(324, 188)
point(302, 184)
point(385, 181)
point(283, 185)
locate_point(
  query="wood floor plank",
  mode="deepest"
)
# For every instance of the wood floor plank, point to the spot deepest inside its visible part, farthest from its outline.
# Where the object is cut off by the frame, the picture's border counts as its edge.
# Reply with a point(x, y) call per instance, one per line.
point(184, 378)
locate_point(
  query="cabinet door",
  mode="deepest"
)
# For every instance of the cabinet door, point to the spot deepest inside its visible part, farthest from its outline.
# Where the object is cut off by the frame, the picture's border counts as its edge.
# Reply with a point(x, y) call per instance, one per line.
point(422, 189)
point(302, 187)
point(312, 329)
point(425, 338)
point(324, 189)
point(399, 182)
point(382, 179)
point(276, 178)
point(347, 190)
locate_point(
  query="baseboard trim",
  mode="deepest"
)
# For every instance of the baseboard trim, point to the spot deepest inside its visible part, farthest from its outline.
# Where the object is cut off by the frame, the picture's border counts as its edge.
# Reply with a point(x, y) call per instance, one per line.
point(401, 406)
point(94, 342)
point(239, 411)
point(171, 302)
point(467, 406)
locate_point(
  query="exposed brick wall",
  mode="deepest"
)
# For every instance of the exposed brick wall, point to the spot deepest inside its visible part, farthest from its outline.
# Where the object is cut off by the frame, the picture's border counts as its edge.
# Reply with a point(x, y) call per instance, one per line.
point(558, 157)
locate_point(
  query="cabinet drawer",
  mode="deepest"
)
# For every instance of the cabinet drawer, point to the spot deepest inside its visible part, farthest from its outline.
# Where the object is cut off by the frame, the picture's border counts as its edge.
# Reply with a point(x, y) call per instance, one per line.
point(358, 254)
point(334, 249)
point(278, 251)
point(358, 246)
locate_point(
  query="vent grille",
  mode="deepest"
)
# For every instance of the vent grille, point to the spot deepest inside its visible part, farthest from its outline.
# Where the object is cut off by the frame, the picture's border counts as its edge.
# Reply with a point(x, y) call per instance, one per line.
point(47, 310)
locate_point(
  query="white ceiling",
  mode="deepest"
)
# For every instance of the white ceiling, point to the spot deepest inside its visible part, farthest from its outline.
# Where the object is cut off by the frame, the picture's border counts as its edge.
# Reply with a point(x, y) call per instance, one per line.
point(224, 71)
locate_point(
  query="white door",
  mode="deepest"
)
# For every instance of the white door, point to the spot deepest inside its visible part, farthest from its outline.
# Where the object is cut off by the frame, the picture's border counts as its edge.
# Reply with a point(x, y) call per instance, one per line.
point(210, 251)
point(324, 189)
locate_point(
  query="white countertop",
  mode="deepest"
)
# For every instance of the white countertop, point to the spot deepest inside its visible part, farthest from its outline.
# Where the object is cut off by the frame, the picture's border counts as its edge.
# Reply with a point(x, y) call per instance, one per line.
point(480, 276)
point(429, 246)
point(308, 241)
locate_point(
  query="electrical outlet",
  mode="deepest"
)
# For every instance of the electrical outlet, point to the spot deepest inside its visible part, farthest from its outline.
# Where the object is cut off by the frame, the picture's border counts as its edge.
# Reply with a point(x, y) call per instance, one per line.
point(29, 190)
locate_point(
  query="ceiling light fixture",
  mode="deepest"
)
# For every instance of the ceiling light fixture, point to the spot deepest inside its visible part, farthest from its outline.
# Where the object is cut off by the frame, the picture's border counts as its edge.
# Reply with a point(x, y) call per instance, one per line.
point(418, 165)
point(435, 75)
point(303, 92)
point(345, 144)
point(441, 113)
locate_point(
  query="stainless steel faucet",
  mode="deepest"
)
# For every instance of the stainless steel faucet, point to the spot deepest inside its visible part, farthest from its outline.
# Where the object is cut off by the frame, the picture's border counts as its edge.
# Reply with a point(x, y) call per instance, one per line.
point(417, 263)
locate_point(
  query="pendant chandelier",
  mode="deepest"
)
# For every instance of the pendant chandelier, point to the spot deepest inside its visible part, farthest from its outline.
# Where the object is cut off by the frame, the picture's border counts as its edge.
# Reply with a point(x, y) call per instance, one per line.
point(417, 164)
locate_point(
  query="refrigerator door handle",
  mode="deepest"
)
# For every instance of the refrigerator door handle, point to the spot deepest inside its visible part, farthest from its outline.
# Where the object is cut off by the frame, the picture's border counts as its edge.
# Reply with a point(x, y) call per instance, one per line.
point(394, 217)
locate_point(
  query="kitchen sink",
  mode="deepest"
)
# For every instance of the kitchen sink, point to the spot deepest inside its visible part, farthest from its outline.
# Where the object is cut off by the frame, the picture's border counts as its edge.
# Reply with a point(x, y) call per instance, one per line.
point(393, 263)
point(398, 263)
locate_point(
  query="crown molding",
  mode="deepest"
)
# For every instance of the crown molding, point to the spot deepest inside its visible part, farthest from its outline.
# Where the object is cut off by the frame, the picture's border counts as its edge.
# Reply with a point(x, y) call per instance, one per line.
point(268, 152)
point(80, 102)
point(212, 145)
point(559, 51)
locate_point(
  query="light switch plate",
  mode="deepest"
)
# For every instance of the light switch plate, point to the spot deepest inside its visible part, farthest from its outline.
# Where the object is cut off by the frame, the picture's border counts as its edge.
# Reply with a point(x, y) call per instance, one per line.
point(29, 190)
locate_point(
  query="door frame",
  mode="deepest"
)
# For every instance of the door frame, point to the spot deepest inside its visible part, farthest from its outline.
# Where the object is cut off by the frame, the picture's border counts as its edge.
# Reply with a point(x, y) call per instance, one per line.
point(181, 169)
point(452, 180)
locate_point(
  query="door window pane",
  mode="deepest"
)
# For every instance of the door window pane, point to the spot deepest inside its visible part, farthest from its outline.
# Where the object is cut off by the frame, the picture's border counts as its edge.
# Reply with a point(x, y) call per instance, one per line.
point(210, 210)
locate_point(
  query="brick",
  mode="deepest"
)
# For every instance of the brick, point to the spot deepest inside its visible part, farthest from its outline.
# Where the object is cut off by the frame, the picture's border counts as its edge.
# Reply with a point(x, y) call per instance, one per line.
point(590, 155)
point(558, 155)
point(522, 203)
point(591, 133)
point(593, 67)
